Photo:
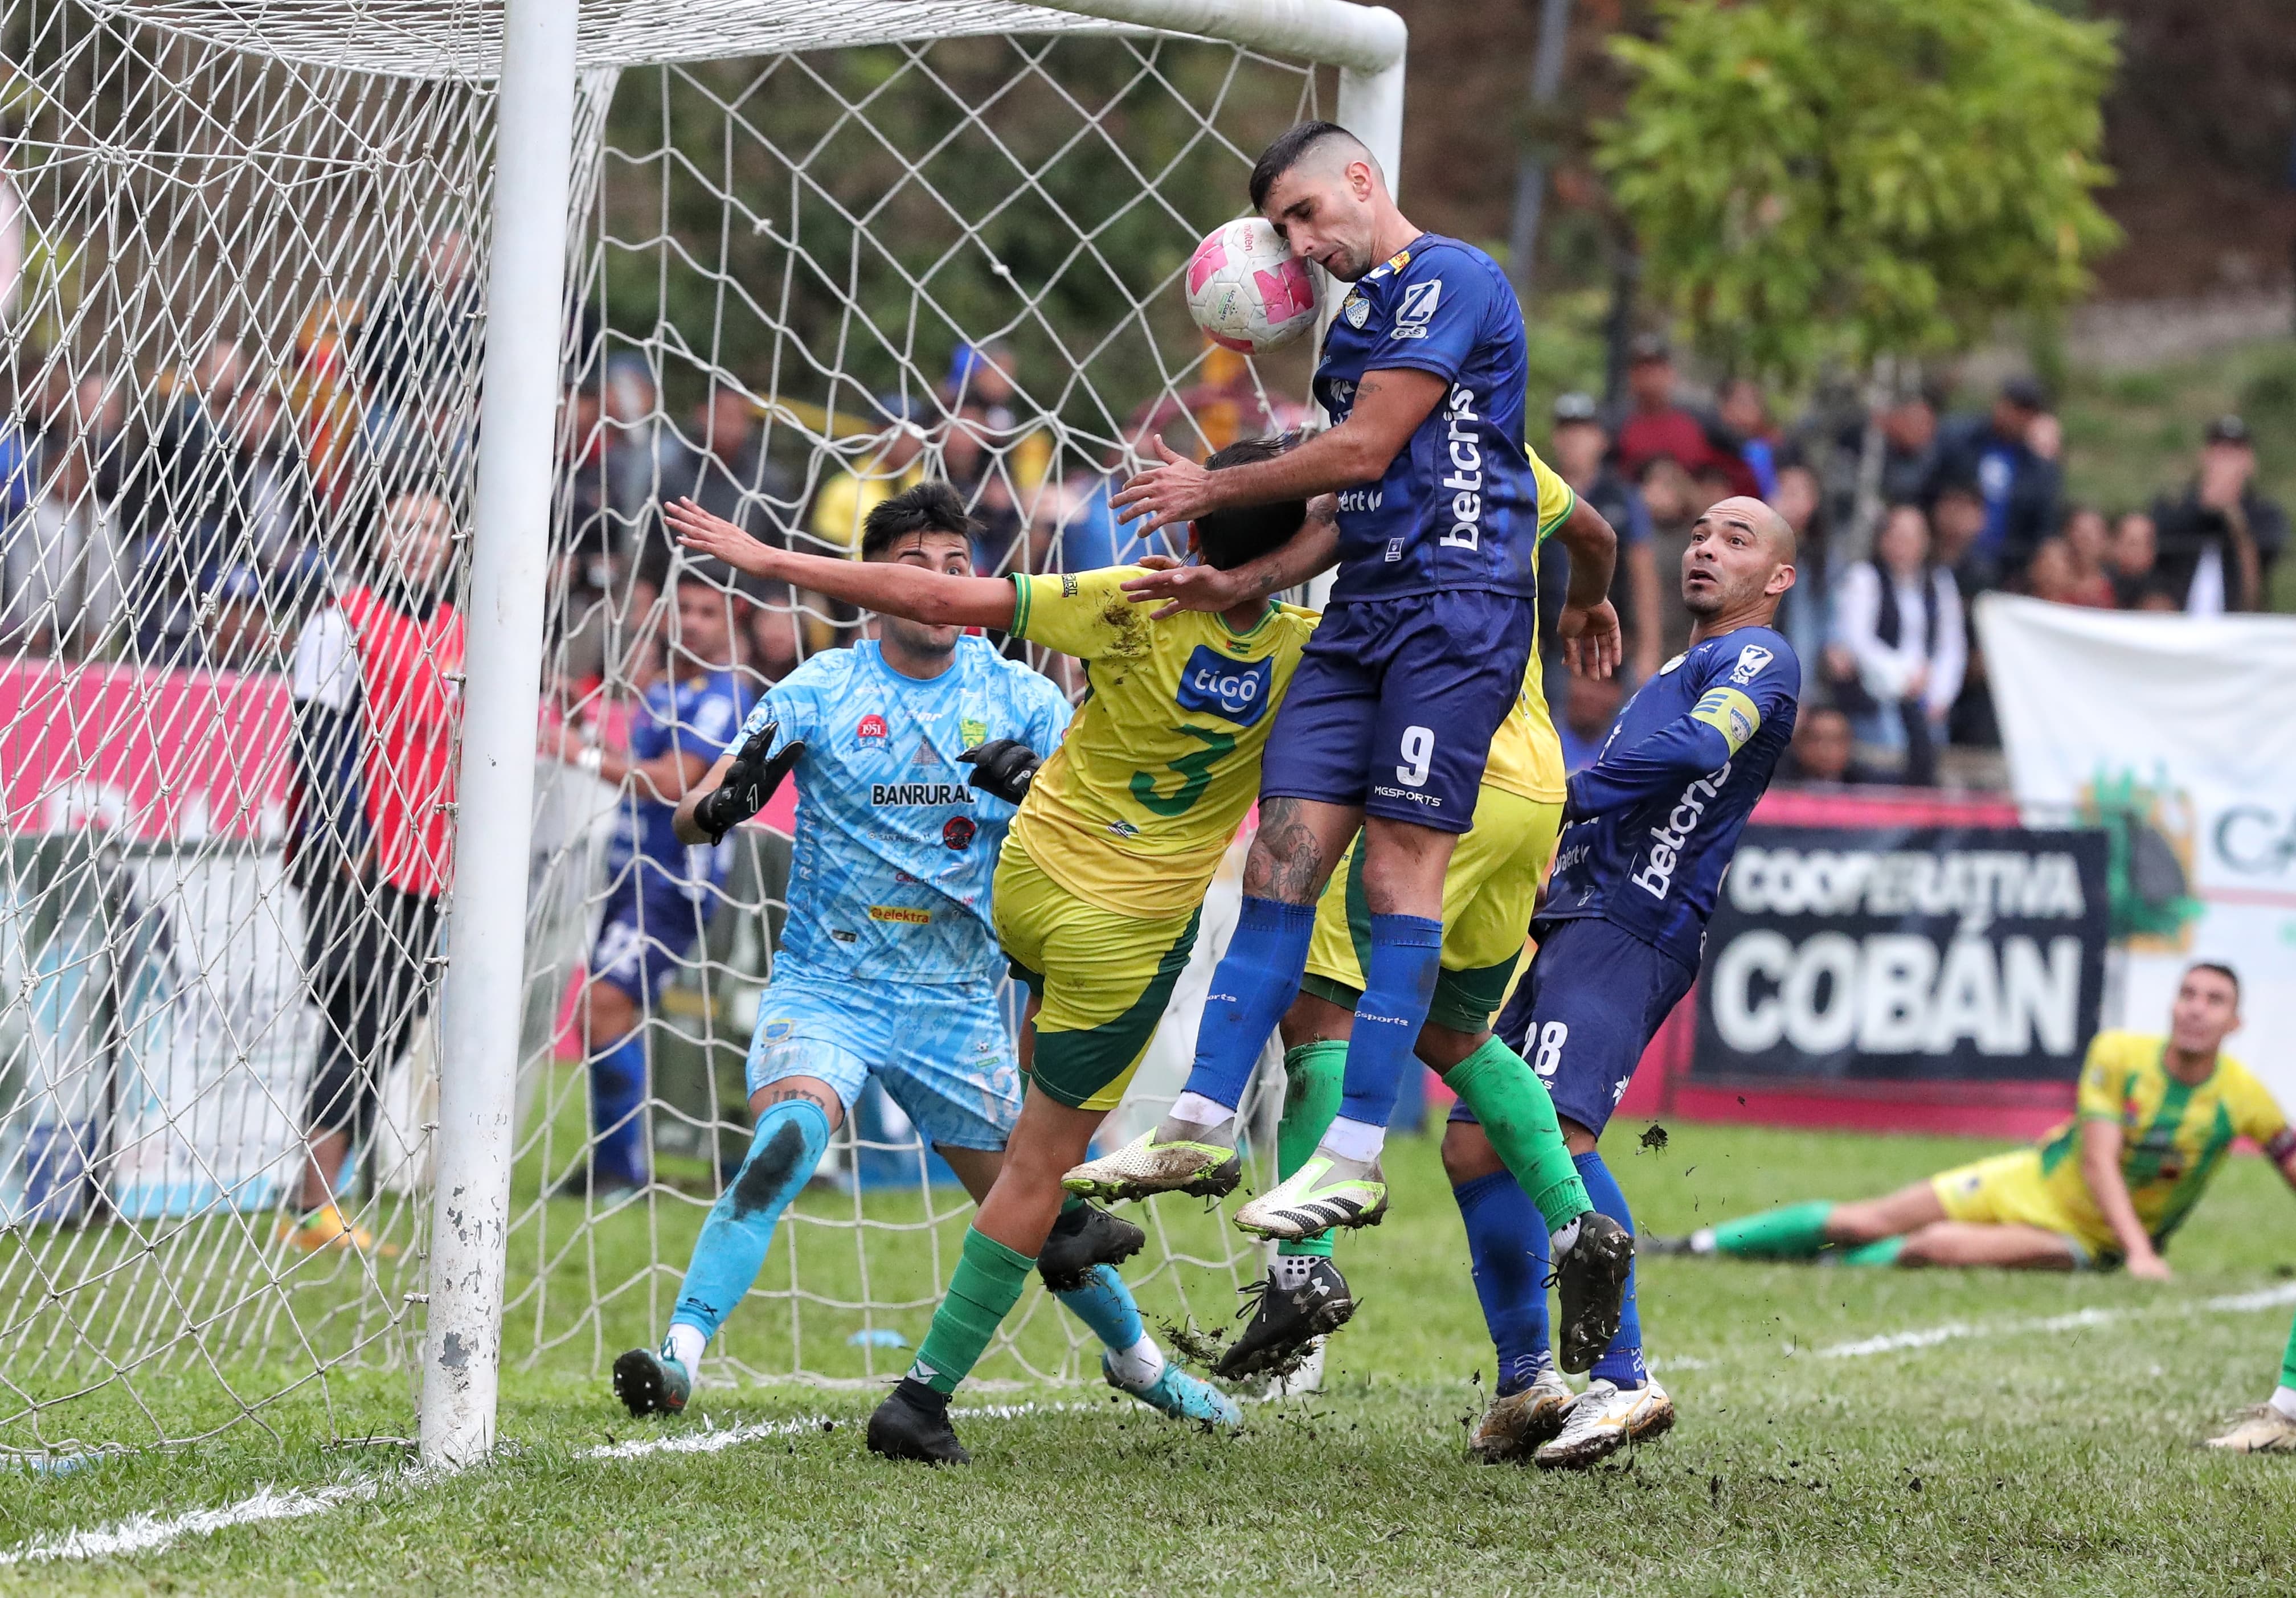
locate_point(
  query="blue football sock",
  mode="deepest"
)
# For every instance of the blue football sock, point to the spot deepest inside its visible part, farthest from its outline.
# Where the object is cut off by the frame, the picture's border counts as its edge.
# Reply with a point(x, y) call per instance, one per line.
point(1506, 1241)
point(788, 1144)
point(1252, 987)
point(1105, 1304)
point(618, 1091)
point(1406, 953)
point(1621, 1363)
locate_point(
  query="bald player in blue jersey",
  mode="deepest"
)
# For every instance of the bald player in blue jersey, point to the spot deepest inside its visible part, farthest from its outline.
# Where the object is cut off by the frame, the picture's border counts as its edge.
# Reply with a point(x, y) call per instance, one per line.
point(1648, 830)
point(1418, 660)
point(888, 966)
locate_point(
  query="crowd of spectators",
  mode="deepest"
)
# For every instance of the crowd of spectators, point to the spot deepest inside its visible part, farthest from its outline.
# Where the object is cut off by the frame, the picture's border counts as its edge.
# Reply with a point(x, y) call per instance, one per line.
point(1903, 524)
point(196, 520)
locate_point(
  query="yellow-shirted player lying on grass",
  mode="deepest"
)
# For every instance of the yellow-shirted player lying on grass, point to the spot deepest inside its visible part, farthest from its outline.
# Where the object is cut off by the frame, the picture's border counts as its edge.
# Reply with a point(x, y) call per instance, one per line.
point(2155, 1119)
point(1103, 877)
point(1489, 890)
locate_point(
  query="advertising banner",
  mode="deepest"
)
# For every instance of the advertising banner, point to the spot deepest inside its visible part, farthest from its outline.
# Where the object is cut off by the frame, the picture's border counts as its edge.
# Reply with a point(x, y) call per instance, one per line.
point(1884, 954)
point(2176, 736)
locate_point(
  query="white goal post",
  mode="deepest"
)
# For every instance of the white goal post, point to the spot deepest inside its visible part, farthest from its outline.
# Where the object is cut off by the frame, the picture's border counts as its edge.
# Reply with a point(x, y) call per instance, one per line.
point(210, 211)
point(534, 158)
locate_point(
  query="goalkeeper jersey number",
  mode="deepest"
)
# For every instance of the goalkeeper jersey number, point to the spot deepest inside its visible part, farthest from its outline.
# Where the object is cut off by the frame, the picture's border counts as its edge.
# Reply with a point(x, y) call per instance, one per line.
point(1134, 811)
point(895, 849)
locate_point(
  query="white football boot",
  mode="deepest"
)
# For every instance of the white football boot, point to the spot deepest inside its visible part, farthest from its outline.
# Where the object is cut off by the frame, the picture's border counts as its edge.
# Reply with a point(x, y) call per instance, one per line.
point(1605, 1420)
point(1518, 1422)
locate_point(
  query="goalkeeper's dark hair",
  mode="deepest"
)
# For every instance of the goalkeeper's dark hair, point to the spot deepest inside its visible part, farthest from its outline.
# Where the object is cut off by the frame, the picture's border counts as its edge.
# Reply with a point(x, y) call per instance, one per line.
point(1286, 153)
point(1230, 538)
point(930, 507)
point(2222, 970)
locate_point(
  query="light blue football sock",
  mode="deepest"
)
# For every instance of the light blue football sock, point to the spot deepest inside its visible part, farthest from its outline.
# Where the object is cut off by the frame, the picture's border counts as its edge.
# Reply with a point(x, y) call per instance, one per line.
point(788, 1144)
point(1106, 1307)
point(1252, 987)
point(1406, 953)
point(618, 1091)
point(1621, 1363)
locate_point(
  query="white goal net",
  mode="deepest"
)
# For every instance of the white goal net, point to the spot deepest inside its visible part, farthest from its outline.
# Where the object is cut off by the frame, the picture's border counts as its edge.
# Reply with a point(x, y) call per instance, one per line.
point(816, 252)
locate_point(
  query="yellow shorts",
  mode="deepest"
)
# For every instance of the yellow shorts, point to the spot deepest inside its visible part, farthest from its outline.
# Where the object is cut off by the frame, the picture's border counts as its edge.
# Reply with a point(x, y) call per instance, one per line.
point(1488, 894)
point(2009, 1189)
point(1102, 980)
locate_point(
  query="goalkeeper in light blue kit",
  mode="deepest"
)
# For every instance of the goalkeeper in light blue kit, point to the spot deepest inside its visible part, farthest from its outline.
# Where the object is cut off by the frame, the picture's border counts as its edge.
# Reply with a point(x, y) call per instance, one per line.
point(910, 750)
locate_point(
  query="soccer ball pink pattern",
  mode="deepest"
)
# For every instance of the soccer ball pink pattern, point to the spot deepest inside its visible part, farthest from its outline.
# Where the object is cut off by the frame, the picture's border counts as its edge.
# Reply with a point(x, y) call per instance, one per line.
point(1247, 292)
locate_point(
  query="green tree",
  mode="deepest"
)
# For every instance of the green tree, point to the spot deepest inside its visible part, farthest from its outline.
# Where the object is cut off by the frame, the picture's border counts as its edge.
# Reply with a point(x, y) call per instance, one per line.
point(1816, 179)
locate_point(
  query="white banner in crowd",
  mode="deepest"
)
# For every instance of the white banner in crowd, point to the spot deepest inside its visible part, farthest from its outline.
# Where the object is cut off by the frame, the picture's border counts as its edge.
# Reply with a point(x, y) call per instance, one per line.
point(2180, 734)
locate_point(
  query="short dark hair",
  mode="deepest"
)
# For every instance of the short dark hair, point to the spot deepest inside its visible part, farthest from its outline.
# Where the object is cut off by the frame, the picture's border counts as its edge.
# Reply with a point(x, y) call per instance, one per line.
point(1230, 538)
point(2222, 970)
point(1284, 153)
point(930, 507)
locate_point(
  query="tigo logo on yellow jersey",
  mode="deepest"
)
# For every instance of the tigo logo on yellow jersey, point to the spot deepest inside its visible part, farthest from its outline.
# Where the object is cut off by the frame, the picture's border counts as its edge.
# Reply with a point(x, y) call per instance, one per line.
point(1210, 682)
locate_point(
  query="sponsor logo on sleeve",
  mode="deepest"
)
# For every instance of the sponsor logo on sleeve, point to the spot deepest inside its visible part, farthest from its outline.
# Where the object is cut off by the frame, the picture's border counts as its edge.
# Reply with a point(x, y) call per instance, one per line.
point(1213, 684)
point(1068, 586)
point(1416, 310)
point(1750, 661)
point(1464, 481)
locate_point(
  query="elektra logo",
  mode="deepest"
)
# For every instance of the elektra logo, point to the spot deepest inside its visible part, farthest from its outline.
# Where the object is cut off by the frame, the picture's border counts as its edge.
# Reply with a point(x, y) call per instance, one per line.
point(1212, 682)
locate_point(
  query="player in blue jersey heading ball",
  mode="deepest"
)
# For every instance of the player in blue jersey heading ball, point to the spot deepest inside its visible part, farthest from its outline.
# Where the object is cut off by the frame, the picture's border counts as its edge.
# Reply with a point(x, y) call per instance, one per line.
point(1648, 830)
point(1418, 661)
point(888, 966)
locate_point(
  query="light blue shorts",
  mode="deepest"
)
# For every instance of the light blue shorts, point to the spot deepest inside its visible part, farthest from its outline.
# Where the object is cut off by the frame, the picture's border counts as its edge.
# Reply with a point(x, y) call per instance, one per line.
point(940, 1049)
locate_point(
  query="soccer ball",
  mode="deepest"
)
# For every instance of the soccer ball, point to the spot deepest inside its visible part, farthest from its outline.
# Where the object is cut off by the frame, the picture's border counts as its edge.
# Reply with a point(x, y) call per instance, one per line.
point(1247, 291)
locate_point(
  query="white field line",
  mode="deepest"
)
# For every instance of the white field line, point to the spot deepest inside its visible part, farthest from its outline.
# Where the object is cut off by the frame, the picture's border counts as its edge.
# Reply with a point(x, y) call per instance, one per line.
point(146, 1533)
point(1929, 1337)
point(149, 1533)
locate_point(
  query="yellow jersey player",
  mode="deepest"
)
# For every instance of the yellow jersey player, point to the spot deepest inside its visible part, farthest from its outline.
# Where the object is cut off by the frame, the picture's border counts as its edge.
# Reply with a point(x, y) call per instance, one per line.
point(1490, 888)
point(2154, 1118)
point(1101, 880)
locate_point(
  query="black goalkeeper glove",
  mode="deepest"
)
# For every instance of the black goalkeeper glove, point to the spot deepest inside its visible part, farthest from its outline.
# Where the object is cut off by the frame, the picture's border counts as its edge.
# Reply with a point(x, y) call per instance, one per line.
point(750, 782)
point(1002, 766)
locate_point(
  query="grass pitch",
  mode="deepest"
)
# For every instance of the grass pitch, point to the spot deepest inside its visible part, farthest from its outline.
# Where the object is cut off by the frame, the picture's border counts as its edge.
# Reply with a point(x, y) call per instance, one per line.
point(1843, 1431)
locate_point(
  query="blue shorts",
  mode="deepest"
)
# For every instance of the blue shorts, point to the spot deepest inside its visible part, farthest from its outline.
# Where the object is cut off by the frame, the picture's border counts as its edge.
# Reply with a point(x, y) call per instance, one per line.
point(644, 938)
point(940, 1049)
point(1595, 995)
point(1395, 702)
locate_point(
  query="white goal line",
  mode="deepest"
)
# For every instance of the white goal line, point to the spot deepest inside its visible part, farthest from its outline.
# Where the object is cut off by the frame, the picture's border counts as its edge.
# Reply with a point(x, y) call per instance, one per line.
point(149, 1533)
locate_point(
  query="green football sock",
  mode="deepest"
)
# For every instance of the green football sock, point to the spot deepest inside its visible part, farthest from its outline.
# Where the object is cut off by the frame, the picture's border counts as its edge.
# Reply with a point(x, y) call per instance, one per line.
point(1881, 1251)
point(1797, 1232)
point(1518, 1117)
point(1311, 1099)
point(2288, 1360)
point(988, 1282)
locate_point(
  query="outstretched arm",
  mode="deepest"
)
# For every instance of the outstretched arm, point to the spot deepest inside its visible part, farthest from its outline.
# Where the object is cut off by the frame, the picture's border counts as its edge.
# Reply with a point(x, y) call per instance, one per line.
point(1389, 404)
point(1314, 548)
point(1592, 643)
point(2100, 1164)
point(889, 587)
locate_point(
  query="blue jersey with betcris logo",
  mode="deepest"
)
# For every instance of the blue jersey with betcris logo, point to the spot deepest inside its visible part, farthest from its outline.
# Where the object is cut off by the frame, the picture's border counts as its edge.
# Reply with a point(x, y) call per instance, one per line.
point(895, 851)
point(692, 715)
point(1458, 507)
point(1655, 821)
